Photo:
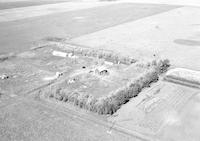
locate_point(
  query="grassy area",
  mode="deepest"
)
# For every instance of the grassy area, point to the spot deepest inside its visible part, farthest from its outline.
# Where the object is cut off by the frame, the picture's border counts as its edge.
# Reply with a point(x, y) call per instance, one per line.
point(111, 101)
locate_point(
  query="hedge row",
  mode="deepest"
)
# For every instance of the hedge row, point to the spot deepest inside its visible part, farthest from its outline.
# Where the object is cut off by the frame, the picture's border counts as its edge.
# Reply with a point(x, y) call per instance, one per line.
point(111, 103)
point(100, 54)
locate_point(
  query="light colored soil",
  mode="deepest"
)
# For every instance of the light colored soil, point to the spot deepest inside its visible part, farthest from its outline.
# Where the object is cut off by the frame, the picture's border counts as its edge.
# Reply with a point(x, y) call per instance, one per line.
point(170, 2)
point(8, 4)
point(31, 120)
point(154, 108)
point(186, 124)
point(186, 75)
point(170, 35)
point(70, 24)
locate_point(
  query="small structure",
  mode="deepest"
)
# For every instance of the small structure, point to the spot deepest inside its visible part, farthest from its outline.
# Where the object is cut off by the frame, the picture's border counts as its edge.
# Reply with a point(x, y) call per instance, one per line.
point(101, 71)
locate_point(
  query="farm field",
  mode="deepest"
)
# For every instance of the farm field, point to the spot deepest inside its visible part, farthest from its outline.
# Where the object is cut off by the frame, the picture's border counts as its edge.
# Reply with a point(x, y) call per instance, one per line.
point(100, 71)
point(86, 77)
point(100, 85)
point(82, 80)
point(8, 4)
point(155, 108)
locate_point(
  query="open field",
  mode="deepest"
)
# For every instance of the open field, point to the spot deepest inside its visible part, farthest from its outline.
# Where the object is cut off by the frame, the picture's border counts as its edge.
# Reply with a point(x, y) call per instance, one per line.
point(154, 108)
point(41, 74)
point(100, 81)
point(105, 71)
point(32, 27)
point(6, 4)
